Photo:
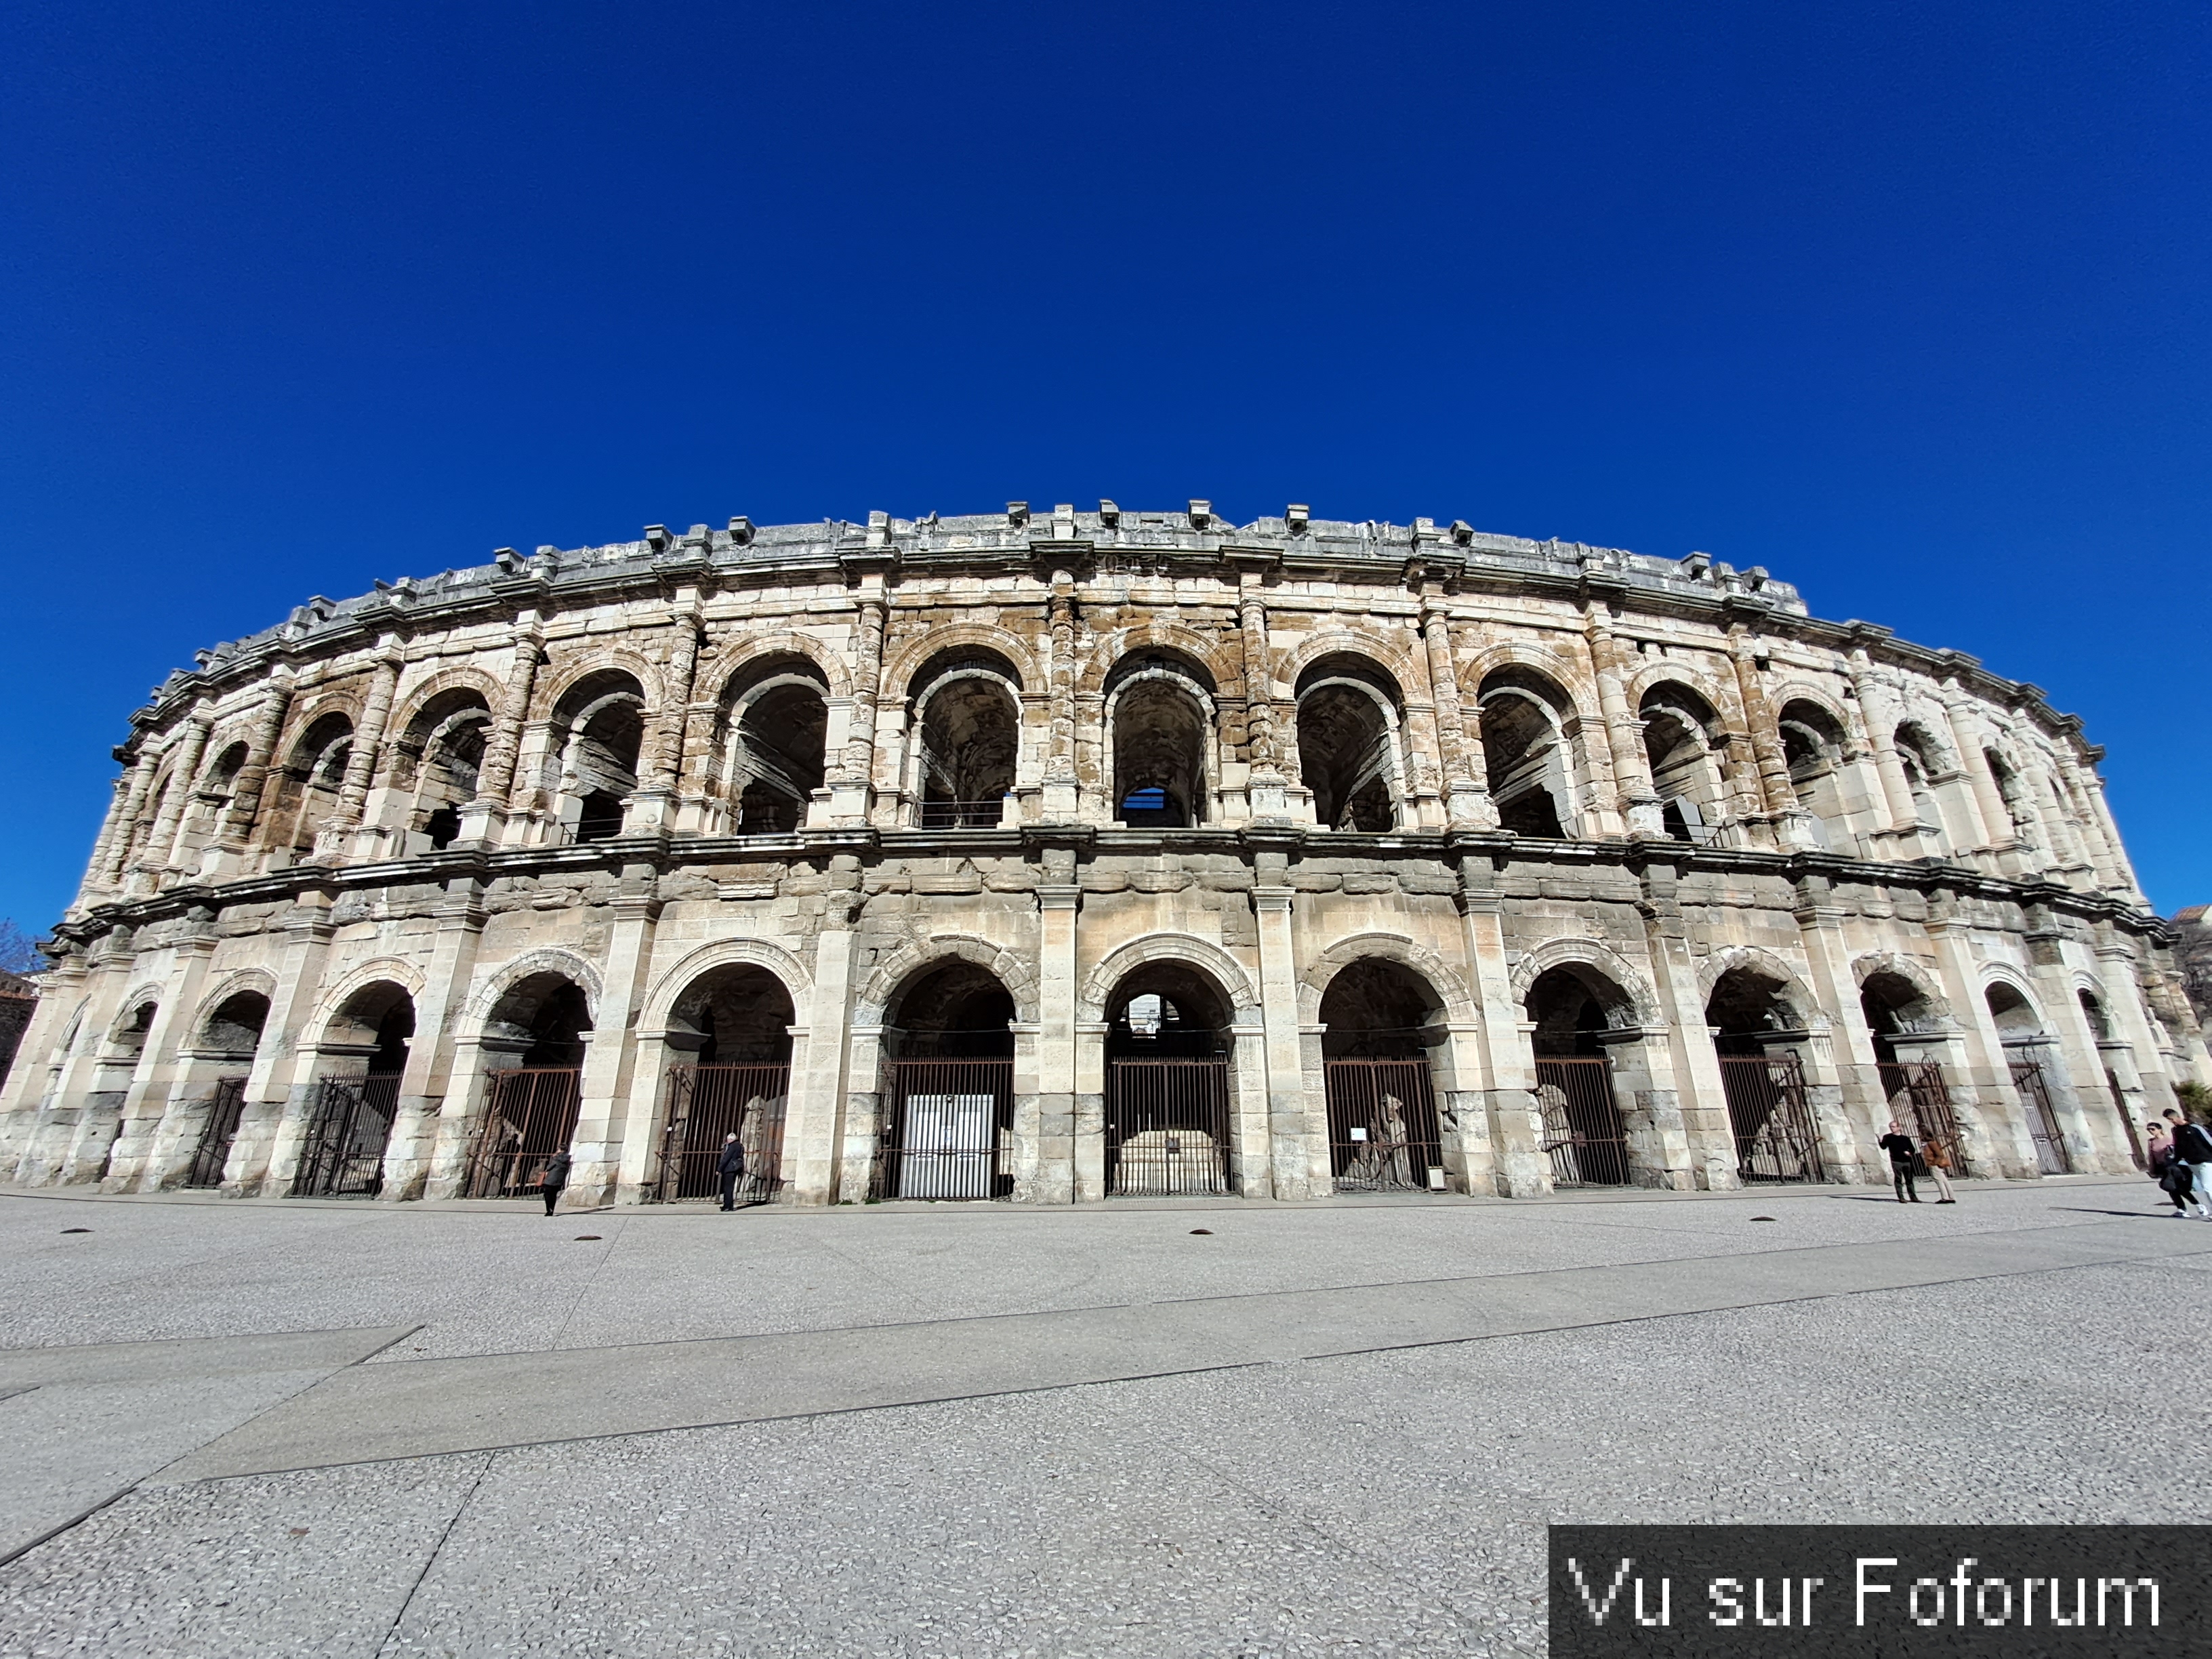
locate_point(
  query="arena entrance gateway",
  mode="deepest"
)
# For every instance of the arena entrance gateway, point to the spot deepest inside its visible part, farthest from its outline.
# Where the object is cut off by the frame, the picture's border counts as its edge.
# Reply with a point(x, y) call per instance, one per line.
point(1168, 1087)
point(946, 1121)
point(1381, 1023)
point(732, 1026)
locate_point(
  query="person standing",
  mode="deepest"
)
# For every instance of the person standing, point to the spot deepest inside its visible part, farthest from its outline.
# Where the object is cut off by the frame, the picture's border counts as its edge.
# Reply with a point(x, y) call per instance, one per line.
point(2168, 1170)
point(2194, 1148)
point(1940, 1160)
point(1898, 1146)
point(731, 1167)
point(553, 1177)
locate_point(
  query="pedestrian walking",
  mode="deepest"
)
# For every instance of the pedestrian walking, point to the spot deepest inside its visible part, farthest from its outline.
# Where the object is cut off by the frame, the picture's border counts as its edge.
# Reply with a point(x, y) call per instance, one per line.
point(1898, 1146)
point(2172, 1175)
point(1941, 1159)
point(553, 1177)
point(2193, 1147)
point(731, 1167)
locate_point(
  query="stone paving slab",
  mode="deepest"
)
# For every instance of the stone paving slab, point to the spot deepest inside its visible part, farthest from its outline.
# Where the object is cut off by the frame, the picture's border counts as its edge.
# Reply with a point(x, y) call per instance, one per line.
point(417, 1408)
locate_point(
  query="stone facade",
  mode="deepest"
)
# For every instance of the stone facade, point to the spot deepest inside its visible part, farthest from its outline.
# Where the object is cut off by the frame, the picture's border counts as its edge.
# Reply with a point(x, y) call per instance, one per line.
point(755, 826)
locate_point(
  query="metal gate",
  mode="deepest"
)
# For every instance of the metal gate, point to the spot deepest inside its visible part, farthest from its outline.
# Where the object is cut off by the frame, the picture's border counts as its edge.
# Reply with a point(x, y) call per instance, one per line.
point(2050, 1154)
point(948, 1129)
point(1774, 1138)
point(1583, 1131)
point(212, 1153)
point(529, 1115)
point(1167, 1128)
point(706, 1102)
point(1925, 1106)
point(352, 1123)
point(1382, 1127)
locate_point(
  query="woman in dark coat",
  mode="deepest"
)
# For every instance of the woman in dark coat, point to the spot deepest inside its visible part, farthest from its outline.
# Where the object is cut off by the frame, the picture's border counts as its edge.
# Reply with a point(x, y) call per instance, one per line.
point(553, 1177)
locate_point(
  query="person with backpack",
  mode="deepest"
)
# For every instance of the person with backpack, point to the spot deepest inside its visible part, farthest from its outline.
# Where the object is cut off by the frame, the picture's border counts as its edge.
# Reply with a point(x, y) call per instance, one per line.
point(2193, 1147)
point(2168, 1170)
point(1941, 1160)
point(1898, 1146)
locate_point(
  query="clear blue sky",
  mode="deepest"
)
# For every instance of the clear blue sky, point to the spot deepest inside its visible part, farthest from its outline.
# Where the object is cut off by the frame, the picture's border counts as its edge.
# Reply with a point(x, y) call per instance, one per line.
point(1907, 302)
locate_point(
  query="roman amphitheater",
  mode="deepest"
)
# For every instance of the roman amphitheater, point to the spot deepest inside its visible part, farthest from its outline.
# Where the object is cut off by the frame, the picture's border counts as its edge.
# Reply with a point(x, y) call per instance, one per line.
point(1062, 857)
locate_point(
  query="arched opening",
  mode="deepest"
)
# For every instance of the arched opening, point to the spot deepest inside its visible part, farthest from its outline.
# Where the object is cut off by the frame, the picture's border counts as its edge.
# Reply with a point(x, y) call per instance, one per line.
point(946, 1128)
point(731, 1030)
point(228, 1038)
point(967, 707)
point(103, 1111)
point(2031, 1057)
point(437, 761)
point(1525, 752)
point(1583, 1134)
point(2101, 1034)
point(1759, 1035)
point(1907, 1028)
point(313, 779)
point(1168, 1086)
point(1812, 748)
point(533, 1047)
point(775, 722)
point(1678, 727)
point(1160, 716)
point(1348, 716)
point(599, 722)
point(1382, 1021)
point(356, 1097)
point(1917, 754)
point(217, 789)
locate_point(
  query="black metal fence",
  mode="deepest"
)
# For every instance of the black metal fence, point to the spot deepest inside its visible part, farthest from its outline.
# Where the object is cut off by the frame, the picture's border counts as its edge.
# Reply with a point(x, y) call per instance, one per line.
point(1776, 1139)
point(962, 814)
point(1382, 1126)
point(1583, 1131)
point(1920, 1100)
point(2050, 1154)
point(705, 1103)
point(1167, 1128)
point(348, 1130)
point(530, 1113)
point(947, 1129)
point(211, 1152)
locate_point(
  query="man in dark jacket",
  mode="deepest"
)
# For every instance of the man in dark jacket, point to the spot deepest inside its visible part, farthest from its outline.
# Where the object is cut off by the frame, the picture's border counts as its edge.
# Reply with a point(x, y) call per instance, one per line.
point(731, 1166)
point(553, 1177)
point(2193, 1147)
point(1898, 1146)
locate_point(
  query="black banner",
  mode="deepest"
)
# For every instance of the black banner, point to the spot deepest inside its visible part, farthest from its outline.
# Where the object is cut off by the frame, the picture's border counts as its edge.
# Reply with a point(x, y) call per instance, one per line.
point(1873, 1592)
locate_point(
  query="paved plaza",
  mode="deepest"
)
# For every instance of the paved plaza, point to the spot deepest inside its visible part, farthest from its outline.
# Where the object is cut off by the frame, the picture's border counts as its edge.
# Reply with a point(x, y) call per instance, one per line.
point(246, 1428)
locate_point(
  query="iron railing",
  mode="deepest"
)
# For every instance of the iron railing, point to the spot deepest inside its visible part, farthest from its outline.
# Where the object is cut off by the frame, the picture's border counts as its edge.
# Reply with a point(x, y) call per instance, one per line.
point(530, 1113)
point(1382, 1126)
point(1167, 1128)
point(705, 1103)
point(1776, 1139)
point(2050, 1154)
point(1582, 1132)
point(947, 1129)
point(351, 1127)
point(1920, 1099)
point(211, 1153)
point(962, 814)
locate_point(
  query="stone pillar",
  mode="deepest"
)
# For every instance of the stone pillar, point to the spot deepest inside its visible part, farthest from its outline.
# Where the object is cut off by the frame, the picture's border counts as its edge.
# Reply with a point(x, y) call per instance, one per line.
point(1271, 751)
point(115, 824)
point(280, 1089)
point(130, 1163)
point(1060, 793)
point(1848, 1134)
point(1514, 1126)
point(159, 850)
point(1468, 804)
point(1793, 824)
point(134, 808)
point(112, 973)
point(362, 759)
point(1880, 718)
point(423, 1130)
point(1059, 902)
point(252, 782)
point(602, 1115)
point(1999, 833)
point(849, 789)
point(1297, 1156)
point(1692, 1134)
point(653, 804)
point(824, 1098)
point(29, 1085)
point(1636, 800)
point(2100, 836)
point(484, 818)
